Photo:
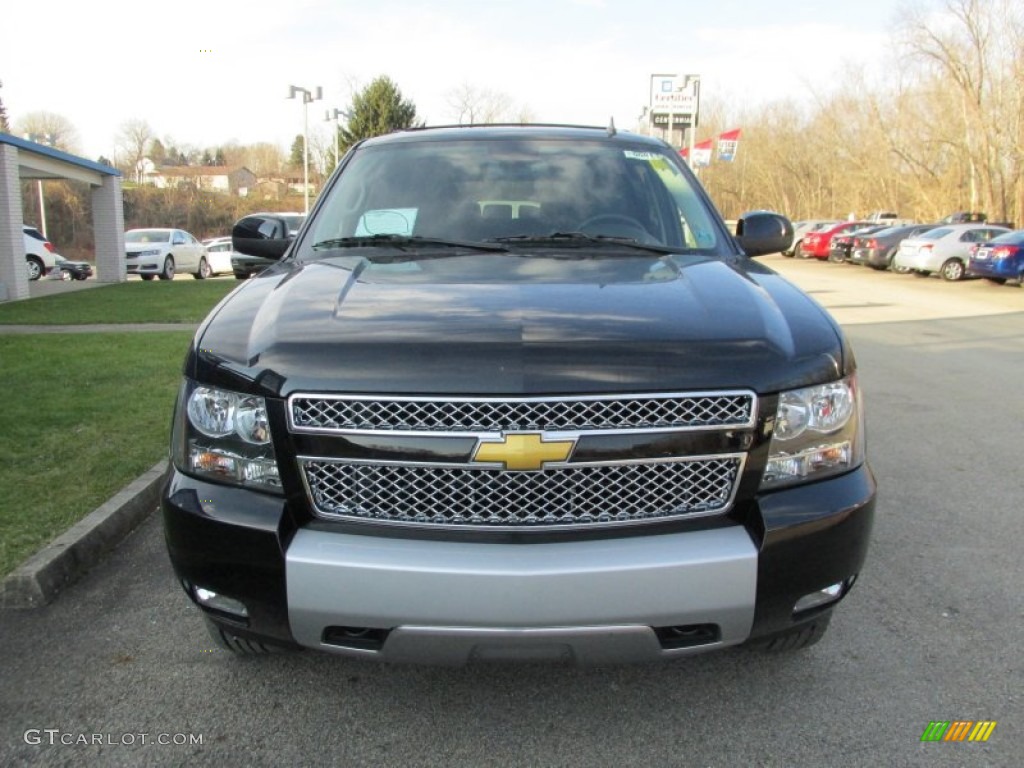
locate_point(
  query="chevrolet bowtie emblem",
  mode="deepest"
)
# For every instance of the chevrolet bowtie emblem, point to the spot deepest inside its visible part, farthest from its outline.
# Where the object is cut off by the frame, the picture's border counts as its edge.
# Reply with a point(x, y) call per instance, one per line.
point(523, 451)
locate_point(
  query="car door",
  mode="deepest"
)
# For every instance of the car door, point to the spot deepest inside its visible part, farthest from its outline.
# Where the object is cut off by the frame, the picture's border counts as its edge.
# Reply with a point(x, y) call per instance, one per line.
point(185, 256)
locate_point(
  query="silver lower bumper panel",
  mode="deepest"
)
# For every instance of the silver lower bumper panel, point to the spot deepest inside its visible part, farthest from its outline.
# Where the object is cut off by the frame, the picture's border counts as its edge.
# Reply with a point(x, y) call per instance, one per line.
point(585, 601)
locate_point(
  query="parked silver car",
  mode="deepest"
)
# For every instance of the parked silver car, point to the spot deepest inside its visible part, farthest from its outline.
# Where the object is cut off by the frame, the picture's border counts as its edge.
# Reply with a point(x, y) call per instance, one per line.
point(945, 249)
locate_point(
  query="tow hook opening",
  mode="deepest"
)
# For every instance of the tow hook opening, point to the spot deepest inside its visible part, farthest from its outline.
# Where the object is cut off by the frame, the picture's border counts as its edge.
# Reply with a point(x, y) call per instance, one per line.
point(688, 635)
point(359, 638)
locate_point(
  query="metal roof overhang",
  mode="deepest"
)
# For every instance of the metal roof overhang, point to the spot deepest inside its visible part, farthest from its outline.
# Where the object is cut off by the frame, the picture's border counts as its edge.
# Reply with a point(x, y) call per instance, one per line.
point(37, 161)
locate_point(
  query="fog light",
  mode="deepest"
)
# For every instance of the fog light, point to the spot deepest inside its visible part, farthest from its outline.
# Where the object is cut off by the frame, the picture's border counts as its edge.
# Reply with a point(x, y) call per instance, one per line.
point(821, 597)
point(210, 599)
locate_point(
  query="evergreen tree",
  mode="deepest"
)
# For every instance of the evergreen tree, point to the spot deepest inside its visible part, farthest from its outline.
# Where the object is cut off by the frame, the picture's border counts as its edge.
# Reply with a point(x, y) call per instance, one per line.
point(377, 109)
point(295, 159)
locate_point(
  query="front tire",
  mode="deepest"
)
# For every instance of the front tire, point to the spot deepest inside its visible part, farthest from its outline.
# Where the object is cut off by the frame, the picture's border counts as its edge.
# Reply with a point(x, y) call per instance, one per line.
point(952, 270)
point(168, 272)
point(204, 270)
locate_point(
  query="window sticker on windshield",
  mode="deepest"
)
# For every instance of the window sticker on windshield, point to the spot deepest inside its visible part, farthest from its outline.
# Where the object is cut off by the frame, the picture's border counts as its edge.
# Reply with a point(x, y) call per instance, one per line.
point(387, 221)
point(634, 155)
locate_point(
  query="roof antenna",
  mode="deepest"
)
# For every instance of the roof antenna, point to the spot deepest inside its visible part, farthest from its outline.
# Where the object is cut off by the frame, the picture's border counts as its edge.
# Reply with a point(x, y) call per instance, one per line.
point(611, 126)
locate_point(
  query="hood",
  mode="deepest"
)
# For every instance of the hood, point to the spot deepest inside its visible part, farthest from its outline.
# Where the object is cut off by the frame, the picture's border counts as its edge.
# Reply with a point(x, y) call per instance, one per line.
point(518, 324)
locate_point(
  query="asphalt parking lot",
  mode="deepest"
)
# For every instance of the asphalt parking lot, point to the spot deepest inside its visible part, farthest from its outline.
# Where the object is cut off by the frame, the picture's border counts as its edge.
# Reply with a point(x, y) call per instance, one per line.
point(120, 662)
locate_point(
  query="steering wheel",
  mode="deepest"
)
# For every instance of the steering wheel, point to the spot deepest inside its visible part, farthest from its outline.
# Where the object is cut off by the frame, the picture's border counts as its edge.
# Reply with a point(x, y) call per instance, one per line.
point(617, 225)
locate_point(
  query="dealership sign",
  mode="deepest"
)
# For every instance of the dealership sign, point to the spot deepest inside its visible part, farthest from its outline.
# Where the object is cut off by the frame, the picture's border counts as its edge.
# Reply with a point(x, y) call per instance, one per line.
point(674, 97)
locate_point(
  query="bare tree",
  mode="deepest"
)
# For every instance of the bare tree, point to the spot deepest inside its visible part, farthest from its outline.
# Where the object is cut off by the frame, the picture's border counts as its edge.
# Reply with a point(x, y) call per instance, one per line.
point(471, 105)
point(132, 142)
point(49, 128)
point(975, 56)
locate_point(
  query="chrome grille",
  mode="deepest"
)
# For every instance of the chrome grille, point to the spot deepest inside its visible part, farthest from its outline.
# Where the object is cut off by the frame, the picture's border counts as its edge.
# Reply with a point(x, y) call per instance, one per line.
point(324, 413)
point(563, 496)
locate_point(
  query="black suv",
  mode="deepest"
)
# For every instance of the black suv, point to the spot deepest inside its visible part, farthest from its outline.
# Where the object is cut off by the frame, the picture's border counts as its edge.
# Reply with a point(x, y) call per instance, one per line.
point(517, 393)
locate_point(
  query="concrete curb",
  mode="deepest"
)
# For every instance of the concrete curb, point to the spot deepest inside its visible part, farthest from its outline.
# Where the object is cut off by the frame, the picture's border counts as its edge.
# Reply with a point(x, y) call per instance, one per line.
point(39, 579)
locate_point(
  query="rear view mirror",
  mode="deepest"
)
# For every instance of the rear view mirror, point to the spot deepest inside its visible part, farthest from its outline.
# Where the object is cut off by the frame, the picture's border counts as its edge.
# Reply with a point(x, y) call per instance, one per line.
point(261, 235)
point(761, 232)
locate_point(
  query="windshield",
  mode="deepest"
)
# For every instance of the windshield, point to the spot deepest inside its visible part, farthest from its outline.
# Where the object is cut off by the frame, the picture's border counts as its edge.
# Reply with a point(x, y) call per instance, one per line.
point(516, 192)
point(147, 236)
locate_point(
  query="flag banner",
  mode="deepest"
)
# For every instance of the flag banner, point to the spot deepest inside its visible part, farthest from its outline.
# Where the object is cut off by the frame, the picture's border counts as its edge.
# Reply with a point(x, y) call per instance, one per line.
point(728, 143)
point(701, 153)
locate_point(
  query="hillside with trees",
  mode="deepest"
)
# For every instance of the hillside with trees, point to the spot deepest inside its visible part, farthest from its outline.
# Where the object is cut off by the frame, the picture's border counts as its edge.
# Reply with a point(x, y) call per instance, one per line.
point(944, 131)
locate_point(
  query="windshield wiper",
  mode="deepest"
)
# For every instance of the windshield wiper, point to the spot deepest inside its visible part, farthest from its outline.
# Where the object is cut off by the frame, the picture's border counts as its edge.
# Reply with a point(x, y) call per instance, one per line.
point(556, 239)
point(404, 242)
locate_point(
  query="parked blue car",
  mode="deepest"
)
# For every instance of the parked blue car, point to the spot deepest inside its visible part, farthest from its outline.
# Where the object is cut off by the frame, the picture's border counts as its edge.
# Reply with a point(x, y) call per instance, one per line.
point(1000, 259)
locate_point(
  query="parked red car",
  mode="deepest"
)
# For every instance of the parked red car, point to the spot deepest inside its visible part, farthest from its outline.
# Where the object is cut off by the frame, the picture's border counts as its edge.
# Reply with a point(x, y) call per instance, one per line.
point(817, 244)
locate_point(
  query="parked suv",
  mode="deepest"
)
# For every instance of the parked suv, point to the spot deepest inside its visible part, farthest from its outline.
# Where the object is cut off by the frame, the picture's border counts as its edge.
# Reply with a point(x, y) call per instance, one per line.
point(40, 255)
point(517, 393)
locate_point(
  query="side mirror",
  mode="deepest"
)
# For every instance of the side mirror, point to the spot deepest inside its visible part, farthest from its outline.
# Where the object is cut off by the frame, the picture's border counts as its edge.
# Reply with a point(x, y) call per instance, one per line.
point(761, 232)
point(261, 235)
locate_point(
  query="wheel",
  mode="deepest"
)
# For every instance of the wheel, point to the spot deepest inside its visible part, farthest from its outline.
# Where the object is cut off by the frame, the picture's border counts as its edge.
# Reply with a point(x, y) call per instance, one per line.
point(168, 273)
point(146, 277)
point(795, 639)
point(891, 259)
point(79, 277)
point(240, 646)
point(792, 250)
point(835, 257)
point(204, 270)
point(621, 226)
point(35, 267)
point(952, 270)
point(799, 252)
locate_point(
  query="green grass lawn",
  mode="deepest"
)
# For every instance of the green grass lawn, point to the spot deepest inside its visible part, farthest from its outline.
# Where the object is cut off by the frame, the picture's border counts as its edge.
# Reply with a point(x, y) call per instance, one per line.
point(83, 416)
point(175, 301)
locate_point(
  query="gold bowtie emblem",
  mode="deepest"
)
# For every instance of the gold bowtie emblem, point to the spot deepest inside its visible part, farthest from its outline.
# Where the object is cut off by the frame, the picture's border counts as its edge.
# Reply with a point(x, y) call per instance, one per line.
point(525, 451)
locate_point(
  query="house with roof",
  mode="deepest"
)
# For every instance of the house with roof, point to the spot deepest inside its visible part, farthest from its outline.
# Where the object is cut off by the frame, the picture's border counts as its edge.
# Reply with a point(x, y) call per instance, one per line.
point(234, 180)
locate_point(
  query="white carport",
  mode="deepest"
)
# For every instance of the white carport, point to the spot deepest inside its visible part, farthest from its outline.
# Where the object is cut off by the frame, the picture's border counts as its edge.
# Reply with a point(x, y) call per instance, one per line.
point(21, 159)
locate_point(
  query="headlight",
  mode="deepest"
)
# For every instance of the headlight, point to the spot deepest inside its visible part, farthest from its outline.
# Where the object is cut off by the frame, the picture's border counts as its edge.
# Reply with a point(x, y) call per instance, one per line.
point(818, 432)
point(224, 436)
point(150, 252)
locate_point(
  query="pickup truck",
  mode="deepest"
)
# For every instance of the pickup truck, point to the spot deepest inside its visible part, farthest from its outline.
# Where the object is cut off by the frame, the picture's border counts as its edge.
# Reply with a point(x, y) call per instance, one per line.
point(517, 393)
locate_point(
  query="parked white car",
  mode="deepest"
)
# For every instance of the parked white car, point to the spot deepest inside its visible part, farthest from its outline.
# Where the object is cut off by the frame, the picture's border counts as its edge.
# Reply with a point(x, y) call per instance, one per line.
point(40, 255)
point(219, 253)
point(945, 249)
point(164, 252)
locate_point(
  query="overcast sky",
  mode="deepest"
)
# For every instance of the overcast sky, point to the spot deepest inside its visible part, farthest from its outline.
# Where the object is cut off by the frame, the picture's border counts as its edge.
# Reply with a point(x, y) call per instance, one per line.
point(208, 72)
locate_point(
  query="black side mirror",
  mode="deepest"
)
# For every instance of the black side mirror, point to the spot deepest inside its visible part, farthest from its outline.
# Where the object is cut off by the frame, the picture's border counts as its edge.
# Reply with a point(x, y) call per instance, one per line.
point(761, 232)
point(261, 235)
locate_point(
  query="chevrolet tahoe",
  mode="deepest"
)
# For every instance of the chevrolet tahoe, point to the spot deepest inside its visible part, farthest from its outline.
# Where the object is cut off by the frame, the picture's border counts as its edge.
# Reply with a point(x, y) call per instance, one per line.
point(517, 393)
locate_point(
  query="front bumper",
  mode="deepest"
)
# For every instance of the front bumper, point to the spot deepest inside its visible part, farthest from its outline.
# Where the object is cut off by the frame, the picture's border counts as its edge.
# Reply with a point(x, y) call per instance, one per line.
point(614, 599)
point(145, 265)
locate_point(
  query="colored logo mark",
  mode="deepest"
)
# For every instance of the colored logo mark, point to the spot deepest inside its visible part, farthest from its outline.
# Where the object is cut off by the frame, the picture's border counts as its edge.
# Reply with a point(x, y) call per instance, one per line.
point(528, 451)
point(958, 730)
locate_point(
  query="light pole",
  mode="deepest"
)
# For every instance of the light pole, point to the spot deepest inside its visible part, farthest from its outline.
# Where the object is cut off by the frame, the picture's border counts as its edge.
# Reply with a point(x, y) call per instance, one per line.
point(307, 97)
point(334, 115)
point(47, 140)
point(695, 79)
